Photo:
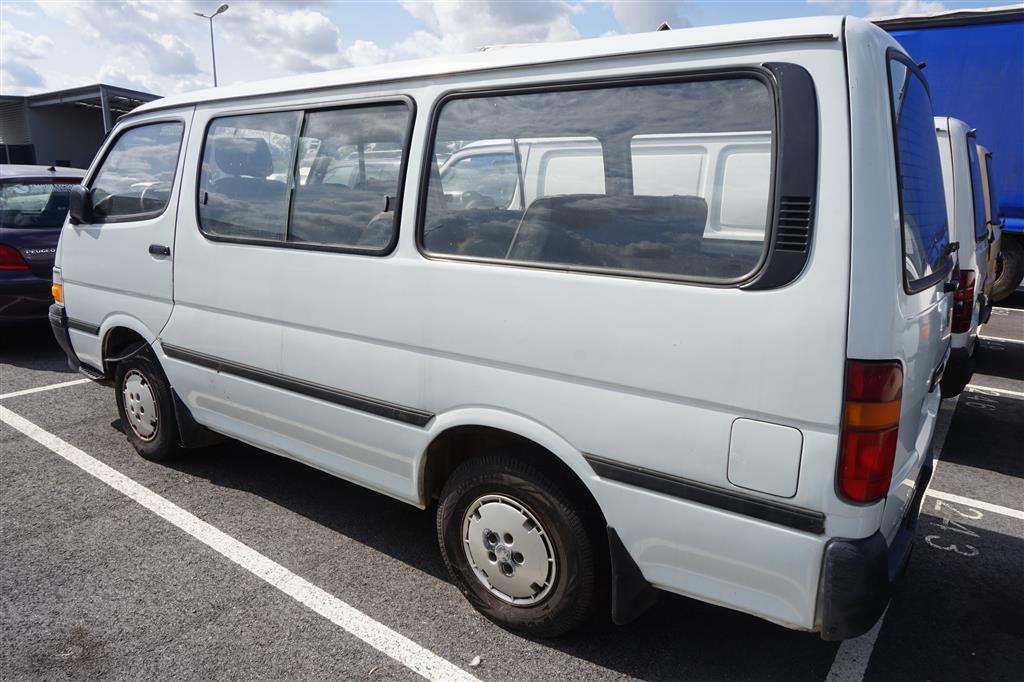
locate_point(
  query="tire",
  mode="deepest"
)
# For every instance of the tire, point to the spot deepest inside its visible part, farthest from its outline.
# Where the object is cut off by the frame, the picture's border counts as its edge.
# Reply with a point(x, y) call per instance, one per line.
point(509, 494)
point(146, 407)
point(1012, 271)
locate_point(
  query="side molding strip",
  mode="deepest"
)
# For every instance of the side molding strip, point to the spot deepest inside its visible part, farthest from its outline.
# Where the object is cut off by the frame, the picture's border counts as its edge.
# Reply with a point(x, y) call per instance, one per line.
point(78, 325)
point(740, 503)
point(381, 408)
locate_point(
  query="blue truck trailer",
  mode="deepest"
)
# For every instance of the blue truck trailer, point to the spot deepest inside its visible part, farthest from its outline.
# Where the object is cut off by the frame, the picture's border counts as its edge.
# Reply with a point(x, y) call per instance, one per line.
point(975, 68)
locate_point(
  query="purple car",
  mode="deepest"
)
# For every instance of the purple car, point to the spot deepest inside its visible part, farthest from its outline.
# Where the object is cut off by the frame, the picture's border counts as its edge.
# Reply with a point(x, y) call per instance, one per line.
point(33, 206)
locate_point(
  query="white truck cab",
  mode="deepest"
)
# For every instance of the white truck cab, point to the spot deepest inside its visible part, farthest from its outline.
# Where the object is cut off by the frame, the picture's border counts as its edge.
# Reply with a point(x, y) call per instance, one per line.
point(704, 360)
point(968, 227)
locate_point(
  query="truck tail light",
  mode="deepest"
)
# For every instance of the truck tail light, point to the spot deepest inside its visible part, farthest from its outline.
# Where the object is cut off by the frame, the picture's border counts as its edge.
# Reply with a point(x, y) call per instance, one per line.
point(871, 422)
point(963, 302)
point(11, 258)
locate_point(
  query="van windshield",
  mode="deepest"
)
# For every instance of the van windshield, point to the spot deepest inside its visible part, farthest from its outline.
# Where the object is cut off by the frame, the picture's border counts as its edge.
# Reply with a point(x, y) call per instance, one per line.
point(918, 176)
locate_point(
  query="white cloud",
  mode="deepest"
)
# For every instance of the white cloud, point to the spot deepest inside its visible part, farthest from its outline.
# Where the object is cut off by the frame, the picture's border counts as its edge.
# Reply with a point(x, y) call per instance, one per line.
point(17, 49)
point(885, 8)
point(465, 25)
point(639, 17)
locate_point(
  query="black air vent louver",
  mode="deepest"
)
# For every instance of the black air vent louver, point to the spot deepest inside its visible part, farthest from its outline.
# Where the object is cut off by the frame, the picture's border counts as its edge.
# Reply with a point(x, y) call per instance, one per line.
point(795, 214)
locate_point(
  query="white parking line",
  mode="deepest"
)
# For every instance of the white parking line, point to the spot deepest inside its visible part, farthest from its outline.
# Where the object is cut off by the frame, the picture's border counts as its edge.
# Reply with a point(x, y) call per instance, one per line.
point(377, 635)
point(998, 391)
point(853, 655)
point(39, 389)
point(1000, 339)
point(977, 504)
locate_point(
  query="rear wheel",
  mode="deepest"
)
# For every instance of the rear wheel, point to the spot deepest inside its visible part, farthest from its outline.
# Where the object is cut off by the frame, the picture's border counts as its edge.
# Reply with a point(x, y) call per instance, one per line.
point(146, 407)
point(517, 546)
point(1011, 268)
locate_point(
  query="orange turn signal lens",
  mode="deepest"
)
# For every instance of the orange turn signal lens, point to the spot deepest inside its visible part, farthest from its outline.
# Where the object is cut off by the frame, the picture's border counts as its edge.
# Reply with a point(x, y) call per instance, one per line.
point(58, 292)
point(871, 416)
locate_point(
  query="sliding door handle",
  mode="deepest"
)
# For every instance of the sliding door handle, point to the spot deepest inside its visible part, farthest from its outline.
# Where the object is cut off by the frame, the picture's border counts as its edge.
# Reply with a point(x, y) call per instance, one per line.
point(159, 250)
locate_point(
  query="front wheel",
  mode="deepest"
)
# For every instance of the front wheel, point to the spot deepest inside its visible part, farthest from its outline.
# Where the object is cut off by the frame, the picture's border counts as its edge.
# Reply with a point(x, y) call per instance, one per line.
point(517, 546)
point(146, 407)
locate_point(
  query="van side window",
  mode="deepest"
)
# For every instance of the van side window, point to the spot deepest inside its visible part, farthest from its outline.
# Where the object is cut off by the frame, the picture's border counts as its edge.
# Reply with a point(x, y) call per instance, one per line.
point(638, 178)
point(246, 175)
point(977, 196)
point(918, 175)
point(135, 178)
point(325, 178)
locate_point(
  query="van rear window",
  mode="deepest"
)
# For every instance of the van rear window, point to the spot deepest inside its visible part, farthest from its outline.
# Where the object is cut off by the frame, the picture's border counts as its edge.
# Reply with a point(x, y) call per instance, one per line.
point(666, 179)
point(977, 191)
point(918, 176)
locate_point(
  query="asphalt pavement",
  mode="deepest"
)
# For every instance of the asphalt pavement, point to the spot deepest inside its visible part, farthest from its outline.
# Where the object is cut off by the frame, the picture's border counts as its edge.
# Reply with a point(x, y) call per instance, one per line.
point(94, 585)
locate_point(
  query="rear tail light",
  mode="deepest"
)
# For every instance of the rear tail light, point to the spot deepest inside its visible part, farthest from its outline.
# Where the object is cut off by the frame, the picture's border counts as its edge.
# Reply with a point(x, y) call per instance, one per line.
point(963, 302)
point(871, 422)
point(11, 258)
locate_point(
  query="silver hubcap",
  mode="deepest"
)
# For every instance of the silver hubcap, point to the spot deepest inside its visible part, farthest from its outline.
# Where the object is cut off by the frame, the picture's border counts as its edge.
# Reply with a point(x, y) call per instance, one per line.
point(140, 406)
point(508, 550)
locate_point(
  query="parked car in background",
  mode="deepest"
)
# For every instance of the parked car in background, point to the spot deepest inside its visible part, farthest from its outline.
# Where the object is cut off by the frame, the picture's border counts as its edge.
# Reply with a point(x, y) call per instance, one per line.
point(33, 206)
point(965, 206)
point(992, 219)
point(705, 361)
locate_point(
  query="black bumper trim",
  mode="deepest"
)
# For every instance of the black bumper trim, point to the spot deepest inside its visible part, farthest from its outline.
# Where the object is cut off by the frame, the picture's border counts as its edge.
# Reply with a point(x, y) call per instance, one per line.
point(59, 325)
point(712, 496)
point(858, 576)
point(381, 408)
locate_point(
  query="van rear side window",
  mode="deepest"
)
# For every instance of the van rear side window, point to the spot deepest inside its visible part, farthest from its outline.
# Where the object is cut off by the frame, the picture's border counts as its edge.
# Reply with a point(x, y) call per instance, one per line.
point(635, 178)
point(919, 178)
point(323, 178)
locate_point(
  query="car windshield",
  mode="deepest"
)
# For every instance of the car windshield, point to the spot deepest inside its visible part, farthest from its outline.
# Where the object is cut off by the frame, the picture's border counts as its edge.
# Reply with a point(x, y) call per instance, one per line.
point(34, 203)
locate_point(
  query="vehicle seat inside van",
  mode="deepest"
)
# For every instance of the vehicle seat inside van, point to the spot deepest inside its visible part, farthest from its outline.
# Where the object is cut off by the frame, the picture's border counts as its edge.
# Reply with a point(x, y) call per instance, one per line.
point(245, 201)
point(647, 233)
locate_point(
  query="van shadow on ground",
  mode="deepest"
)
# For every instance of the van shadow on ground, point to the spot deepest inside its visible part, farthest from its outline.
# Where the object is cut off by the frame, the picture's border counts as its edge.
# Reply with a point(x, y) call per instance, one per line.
point(679, 637)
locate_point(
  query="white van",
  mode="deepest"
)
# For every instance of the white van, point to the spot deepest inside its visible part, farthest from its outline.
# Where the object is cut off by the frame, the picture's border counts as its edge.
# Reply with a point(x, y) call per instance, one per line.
point(601, 391)
point(970, 229)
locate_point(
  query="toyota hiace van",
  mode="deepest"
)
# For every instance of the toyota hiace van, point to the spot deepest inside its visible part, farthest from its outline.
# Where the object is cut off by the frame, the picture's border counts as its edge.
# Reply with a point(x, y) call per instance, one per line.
point(969, 228)
point(718, 379)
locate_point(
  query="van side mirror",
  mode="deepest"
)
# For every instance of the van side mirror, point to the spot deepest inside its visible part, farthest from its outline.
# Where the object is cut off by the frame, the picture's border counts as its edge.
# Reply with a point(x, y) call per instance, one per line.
point(80, 205)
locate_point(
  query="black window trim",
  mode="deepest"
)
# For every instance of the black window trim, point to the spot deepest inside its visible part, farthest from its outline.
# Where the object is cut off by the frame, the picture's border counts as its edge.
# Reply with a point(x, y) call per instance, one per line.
point(721, 73)
point(146, 215)
point(389, 248)
point(972, 135)
point(939, 275)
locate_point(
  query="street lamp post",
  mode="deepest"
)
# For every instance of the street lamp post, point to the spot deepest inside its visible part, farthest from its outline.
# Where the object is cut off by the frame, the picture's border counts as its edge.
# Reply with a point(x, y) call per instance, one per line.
point(213, 52)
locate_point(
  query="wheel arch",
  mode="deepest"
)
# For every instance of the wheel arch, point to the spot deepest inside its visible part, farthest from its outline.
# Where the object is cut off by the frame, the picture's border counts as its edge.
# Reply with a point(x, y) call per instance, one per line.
point(466, 433)
point(121, 334)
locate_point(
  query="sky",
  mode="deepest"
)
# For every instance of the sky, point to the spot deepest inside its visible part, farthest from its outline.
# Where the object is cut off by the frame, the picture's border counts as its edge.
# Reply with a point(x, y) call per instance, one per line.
point(163, 48)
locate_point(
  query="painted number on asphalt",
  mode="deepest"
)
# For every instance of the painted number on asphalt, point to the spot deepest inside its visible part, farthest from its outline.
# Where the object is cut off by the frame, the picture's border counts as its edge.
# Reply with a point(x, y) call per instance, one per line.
point(982, 401)
point(950, 540)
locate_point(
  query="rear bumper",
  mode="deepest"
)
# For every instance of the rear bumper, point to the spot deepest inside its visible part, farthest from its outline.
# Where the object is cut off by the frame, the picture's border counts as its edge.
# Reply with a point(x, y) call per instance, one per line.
point(858, 576)
point(984, 309)
point(24, 299)
point(59, 325)
point(958, 372)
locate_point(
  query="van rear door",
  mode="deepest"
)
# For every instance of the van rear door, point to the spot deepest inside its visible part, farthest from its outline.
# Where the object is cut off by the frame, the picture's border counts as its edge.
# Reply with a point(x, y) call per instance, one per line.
point(923, 333)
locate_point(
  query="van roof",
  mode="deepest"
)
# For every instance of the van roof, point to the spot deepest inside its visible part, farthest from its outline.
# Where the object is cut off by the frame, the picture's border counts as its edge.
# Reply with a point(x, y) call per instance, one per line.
point(704, 37)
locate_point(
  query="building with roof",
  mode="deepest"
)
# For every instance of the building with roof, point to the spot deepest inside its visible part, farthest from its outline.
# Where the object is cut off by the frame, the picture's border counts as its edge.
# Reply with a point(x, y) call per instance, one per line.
point(64, 127)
